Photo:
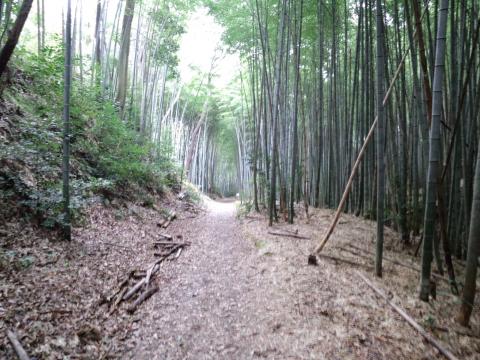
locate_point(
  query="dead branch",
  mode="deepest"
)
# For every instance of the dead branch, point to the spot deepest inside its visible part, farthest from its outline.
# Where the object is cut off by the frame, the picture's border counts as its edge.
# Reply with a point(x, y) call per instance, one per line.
point(117, 301)
point(410, 320)
point(399, 263)
point(119, 289)
point(138, 274)
point(181, 244)
point(17, 346)
point(342, 260)
point(141, 299)
point(134, 289)
point(152, 269)
point(289, 235)
point(115, 245)
point(286, 230)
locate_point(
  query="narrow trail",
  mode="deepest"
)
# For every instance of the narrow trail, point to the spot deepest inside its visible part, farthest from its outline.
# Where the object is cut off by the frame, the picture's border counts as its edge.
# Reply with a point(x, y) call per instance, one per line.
point(207, 307)
point(237, 294)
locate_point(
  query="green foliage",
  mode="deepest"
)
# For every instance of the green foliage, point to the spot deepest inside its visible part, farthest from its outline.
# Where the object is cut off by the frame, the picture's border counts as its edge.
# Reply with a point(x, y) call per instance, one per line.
point(107, 154)
point(260, 244)
point(243, 209)
point(192, 193)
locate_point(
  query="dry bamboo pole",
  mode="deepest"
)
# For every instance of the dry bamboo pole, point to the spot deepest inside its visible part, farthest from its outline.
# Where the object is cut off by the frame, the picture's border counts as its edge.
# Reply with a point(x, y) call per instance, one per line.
point(441, 348)
point(343, 200)
point(17, 346)
point(396, 262)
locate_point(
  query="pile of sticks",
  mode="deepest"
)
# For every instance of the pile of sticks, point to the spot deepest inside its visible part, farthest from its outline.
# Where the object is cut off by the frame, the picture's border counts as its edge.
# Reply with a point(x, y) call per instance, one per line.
point(138, 286)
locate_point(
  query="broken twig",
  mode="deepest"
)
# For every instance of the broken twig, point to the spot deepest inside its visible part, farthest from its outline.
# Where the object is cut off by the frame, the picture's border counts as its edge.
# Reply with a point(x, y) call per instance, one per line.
point(134, 289)
point(141, 299)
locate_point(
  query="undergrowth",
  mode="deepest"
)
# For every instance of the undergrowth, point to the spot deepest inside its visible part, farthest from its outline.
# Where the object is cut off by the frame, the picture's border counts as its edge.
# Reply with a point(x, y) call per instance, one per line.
point(108, 156)
point(243, 209)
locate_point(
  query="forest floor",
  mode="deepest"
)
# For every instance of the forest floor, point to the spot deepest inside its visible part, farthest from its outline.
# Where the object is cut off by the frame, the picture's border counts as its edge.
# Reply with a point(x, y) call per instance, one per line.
point(242, 293)
point(237, 292)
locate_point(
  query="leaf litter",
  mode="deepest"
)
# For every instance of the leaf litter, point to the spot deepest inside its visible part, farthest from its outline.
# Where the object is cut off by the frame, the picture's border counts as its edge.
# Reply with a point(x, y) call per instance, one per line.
point(54, 294)
point(224, 297)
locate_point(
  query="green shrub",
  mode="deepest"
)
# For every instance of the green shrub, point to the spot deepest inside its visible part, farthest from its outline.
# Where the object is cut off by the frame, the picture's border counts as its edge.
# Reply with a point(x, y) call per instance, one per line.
point(243, 209)
point(192, 193)
point(108, 155)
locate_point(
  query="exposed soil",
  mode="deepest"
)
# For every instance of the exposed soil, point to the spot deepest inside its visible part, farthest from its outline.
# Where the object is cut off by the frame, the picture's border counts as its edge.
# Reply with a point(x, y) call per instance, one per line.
point(236, 293)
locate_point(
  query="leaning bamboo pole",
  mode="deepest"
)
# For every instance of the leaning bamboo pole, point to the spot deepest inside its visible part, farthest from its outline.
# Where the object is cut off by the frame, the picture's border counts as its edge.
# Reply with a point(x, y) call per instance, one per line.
point(356, 165)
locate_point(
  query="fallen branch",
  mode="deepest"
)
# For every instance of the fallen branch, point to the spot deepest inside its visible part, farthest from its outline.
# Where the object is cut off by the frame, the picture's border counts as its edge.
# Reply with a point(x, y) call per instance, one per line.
point(346, 261)
point(138, 274)
point(141, 299)
point(115, 245)
point(351, 252)
point(181, 244)
point(117, 301)
point(289, 235)
point(119, 289)
point(149, 274)
point(166, 236)
point(399, 263)
point(412, 322)
point(152, 269)
point(287, 230)
point(134, 289)
point(17, 346)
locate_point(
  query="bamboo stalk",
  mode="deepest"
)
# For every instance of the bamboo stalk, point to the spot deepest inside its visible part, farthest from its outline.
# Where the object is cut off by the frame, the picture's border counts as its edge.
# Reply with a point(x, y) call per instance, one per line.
point(343, 200)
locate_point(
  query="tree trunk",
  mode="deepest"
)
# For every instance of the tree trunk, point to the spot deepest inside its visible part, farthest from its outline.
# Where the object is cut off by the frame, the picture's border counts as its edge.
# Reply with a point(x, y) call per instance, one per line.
point(380, 138)
point(124, 53)
point(434, 153)
point(274, 150)
point(14, 35)
point(468, 296)
point(297, 55)
point(66, 124)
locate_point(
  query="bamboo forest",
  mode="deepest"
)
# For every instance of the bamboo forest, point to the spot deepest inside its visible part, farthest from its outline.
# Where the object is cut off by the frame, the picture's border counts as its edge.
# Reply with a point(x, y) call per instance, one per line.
point(239, 179)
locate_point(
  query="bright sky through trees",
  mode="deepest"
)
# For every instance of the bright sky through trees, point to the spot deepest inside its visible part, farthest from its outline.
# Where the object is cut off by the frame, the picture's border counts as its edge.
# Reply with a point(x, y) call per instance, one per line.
point(203, 37)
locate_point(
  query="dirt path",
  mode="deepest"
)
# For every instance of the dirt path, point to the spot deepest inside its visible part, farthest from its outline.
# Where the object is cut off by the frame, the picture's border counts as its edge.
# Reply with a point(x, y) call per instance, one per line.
point(237, 293)
point(206, 310)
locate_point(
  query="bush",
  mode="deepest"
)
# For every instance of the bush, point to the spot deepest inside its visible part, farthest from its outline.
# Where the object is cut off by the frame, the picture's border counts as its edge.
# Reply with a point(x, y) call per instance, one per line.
point(192, 193)
point(243, 209)
point(108, 155)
